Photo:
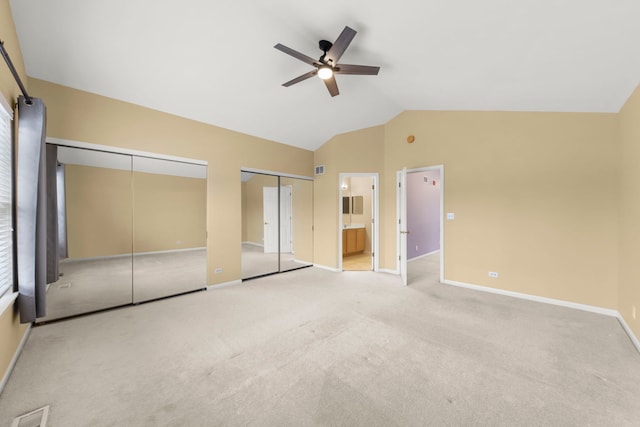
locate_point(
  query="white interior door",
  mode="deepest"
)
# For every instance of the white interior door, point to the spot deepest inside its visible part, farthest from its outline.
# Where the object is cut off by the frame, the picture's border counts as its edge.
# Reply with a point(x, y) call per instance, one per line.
point(286, 237)
point(270, 216)
point(402, 223)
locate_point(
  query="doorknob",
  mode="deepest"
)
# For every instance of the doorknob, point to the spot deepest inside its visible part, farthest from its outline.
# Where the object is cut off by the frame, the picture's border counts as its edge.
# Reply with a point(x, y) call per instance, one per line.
point(266, 223)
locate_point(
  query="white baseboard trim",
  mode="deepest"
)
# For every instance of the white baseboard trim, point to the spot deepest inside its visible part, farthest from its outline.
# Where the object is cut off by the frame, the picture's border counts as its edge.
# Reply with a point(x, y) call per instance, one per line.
point(224, 285)
point(388, 271)
point(324, 267)
point(300, 261)
point(563, 303)
point(253, 244)
point(424, 255)
point(629, 332)
point(98, 258)
point(14, 360)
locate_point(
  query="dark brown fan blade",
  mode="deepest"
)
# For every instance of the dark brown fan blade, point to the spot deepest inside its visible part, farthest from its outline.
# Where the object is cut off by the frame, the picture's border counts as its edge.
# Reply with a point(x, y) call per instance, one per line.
point(301, 56)
point(298, 79)
point(340, 45)
point(365, 70)
point(332, 86)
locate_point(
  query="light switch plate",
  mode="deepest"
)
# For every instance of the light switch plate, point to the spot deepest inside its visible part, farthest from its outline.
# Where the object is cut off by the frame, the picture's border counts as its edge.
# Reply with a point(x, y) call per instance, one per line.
point(451, 216)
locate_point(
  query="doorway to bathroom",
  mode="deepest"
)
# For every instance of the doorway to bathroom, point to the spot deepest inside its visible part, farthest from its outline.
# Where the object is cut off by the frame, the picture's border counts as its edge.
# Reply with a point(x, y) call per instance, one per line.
point(358, 227)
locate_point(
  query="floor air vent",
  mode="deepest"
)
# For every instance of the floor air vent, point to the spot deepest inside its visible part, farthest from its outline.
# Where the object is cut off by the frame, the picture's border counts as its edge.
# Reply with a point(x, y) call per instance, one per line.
point(36, 418)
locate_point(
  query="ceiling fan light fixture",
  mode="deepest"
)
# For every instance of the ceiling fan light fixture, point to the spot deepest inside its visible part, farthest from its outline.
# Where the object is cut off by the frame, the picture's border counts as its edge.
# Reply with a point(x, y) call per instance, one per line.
point(325, 72)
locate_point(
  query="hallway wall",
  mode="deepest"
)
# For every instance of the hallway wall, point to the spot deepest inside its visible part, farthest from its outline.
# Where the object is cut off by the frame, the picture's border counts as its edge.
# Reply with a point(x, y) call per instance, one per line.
point(629, 230)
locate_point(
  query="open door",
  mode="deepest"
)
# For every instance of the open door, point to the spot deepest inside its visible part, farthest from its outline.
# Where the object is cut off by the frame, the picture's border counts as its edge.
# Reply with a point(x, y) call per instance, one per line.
point(402, 223)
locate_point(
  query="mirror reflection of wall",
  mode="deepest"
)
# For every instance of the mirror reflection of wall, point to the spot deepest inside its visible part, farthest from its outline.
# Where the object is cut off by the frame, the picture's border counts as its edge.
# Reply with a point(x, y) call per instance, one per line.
point(356, 205)
point(346, 200)
point(169, 216)
point(130, 235)
point(277, 215)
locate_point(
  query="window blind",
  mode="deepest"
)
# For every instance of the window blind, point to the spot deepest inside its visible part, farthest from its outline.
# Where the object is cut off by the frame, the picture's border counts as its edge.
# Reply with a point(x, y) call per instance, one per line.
point(6, 229)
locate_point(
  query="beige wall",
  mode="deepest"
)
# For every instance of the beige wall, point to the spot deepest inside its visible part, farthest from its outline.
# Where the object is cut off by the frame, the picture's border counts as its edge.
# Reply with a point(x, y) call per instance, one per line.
point(354, 152)
point(533, 193)
point(99, 211)
point(169, 212)
point(11, 331)
point(81, 116)
point(629, 172)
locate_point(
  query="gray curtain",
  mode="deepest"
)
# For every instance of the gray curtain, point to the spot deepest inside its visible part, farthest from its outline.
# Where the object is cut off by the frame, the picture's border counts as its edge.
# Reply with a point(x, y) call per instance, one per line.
point(31, 218)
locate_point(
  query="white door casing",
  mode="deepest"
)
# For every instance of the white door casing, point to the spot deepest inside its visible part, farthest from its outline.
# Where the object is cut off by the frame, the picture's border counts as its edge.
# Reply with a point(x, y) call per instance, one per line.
point(402, 223)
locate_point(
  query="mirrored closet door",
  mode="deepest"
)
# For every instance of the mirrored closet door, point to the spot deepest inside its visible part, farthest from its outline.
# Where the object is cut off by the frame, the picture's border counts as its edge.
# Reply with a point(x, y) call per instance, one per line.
point(277, 220)
point(131, 229)
point(95, 228)
point(169, 224)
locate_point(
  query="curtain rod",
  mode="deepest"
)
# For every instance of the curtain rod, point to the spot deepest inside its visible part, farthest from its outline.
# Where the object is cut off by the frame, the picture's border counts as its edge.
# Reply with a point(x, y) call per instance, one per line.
point(5, 55)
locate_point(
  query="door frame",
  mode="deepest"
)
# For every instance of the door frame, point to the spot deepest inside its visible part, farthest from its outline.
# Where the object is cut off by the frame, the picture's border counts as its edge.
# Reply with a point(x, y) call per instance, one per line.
point(439, 168)
point(375, 213)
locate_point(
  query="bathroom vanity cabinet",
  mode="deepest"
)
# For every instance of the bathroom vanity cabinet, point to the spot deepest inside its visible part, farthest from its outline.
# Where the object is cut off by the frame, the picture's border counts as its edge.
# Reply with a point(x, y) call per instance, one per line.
point(353, 241)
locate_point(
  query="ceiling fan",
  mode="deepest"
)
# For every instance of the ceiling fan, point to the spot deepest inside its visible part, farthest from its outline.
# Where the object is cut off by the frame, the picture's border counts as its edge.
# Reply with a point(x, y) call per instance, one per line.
point(327, 66)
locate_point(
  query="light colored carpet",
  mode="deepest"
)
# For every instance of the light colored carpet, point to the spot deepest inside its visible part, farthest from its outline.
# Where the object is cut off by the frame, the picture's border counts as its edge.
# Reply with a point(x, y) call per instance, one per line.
point(255, 262)
point(312, 347)
point(95, 284)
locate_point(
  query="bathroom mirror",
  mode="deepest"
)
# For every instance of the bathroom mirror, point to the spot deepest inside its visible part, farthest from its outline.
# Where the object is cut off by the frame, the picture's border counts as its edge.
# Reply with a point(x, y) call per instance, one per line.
point(356, 205)
point(345, 205)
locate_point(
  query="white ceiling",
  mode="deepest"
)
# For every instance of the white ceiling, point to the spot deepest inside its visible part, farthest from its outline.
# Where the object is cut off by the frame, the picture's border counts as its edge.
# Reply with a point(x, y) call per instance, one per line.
point(214, 61)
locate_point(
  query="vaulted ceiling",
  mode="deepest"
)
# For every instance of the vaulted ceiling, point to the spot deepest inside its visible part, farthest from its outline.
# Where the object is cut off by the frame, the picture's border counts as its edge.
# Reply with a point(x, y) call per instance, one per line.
point(214, 61)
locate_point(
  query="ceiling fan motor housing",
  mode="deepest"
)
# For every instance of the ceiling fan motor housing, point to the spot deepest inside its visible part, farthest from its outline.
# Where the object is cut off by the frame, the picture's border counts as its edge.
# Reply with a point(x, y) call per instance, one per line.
point(324, 45)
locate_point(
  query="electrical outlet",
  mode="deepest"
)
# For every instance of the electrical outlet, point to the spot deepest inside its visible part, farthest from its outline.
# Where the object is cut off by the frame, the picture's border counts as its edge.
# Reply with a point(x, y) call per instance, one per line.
point(416, 247)
point(218, 270)
point(493, 274)
point(633, 312)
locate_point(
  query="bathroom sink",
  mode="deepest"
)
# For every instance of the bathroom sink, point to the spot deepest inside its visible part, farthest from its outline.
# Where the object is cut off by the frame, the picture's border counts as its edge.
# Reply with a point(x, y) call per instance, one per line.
point(353, 225)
